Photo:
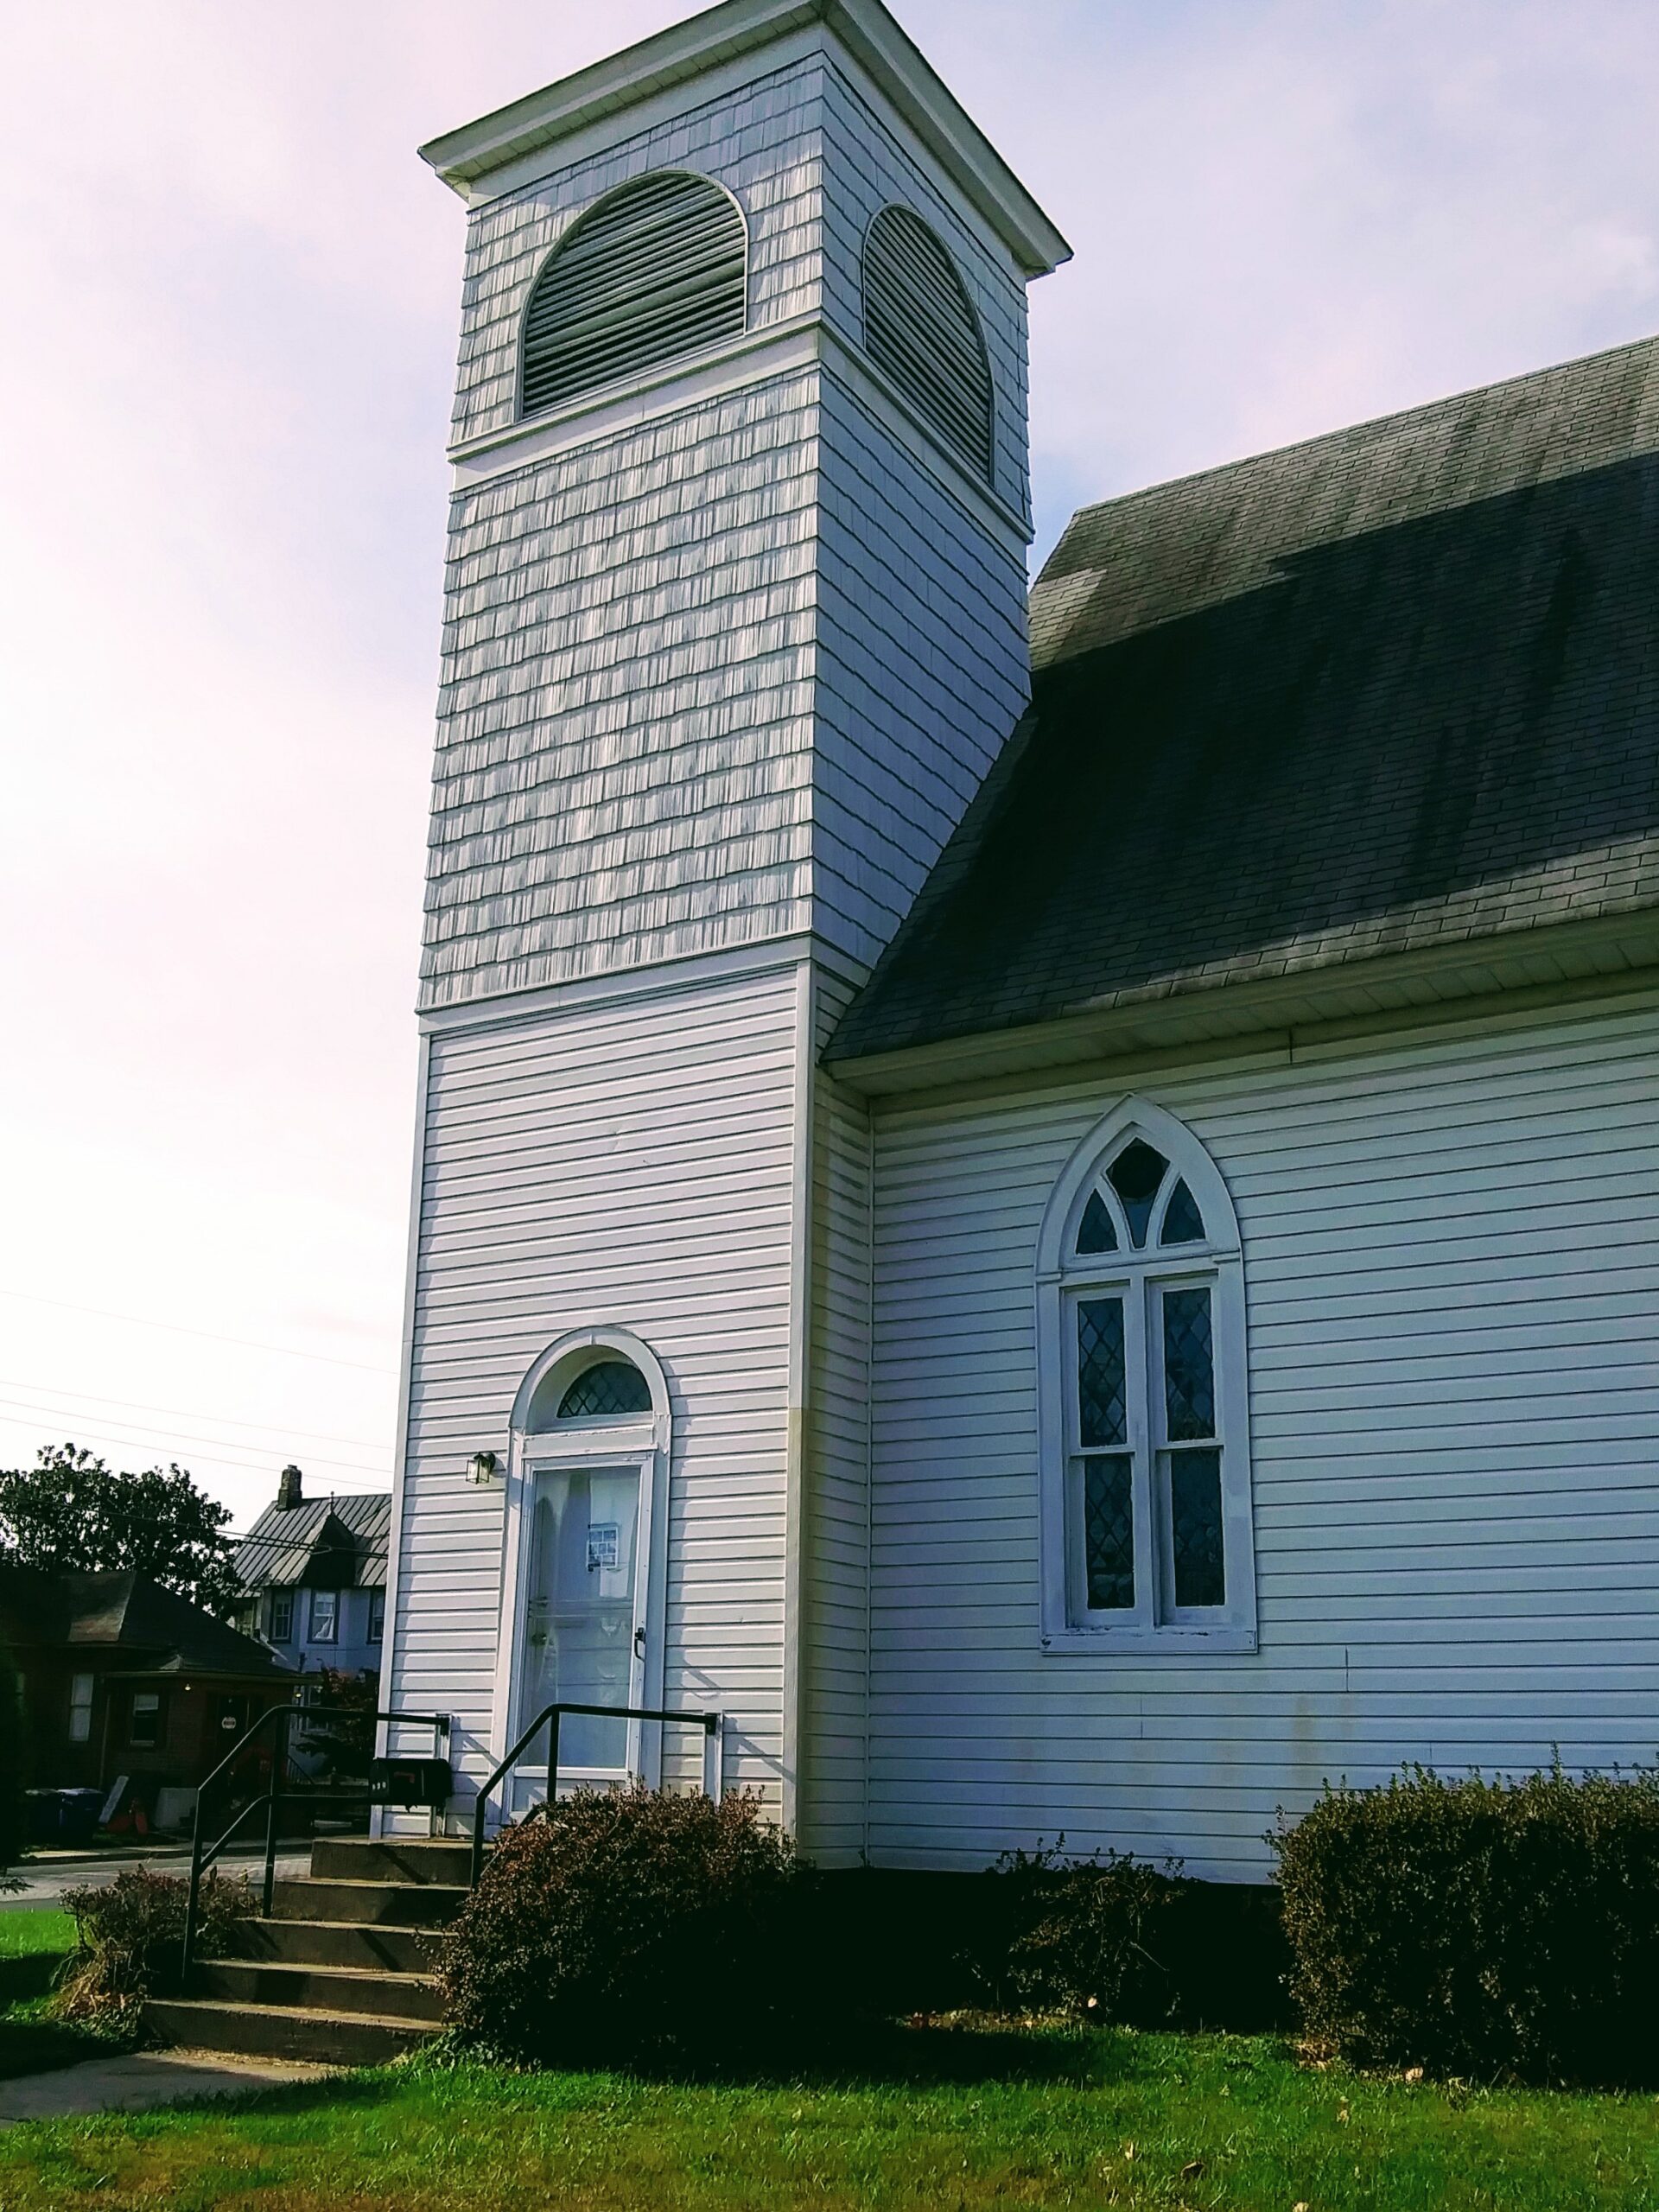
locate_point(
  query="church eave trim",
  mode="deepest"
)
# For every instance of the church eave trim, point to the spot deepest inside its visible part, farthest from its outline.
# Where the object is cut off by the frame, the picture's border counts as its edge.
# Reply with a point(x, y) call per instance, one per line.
point(687, 50)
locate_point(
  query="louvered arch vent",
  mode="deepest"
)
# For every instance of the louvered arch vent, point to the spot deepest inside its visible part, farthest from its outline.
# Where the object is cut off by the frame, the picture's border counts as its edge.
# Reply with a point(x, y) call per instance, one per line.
point(920, 327)
point(657, 268)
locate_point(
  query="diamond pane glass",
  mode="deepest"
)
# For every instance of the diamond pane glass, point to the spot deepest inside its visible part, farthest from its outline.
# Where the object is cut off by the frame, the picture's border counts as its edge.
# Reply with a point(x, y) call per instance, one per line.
point(1097, 1233)
point(1189, 1365)
point(1183, 1222)
point(614, 1386)
point(1101, 1372)
point(1108, 1533)
point(1195, 1529)
point(1136, 1175)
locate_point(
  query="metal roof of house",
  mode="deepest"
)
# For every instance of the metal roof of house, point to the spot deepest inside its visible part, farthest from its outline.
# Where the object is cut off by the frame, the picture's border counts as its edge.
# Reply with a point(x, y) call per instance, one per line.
point(340, 1541)
point(157, 1628)
point(1394, 688)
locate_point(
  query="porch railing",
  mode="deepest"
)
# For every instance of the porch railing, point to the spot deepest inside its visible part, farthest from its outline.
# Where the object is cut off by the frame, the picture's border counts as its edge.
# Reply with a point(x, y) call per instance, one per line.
point(277, 1720)
point(550, 1718)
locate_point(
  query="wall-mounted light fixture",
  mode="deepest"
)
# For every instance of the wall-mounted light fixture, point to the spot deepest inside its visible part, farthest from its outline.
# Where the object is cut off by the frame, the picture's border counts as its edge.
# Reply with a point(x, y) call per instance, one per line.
point(481, 1467)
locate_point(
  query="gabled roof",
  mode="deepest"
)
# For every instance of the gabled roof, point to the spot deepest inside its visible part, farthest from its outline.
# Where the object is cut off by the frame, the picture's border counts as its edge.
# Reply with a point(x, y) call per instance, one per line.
point(1393, 688)
point(340, 1541)
point(154, 1630)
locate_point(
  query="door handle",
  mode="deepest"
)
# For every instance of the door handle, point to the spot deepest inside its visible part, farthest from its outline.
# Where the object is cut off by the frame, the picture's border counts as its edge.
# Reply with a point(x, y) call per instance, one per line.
point(639, 1643)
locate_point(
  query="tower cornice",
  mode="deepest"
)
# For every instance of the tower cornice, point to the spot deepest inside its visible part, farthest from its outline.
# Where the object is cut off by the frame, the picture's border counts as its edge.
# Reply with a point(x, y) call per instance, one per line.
point(467, 158)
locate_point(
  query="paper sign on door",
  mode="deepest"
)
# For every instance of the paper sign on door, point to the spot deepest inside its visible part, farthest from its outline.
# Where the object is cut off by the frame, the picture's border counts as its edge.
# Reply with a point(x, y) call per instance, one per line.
point(602, 1544)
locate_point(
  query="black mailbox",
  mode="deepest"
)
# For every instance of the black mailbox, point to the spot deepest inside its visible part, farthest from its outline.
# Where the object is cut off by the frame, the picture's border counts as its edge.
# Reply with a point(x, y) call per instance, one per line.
point(416, 1785)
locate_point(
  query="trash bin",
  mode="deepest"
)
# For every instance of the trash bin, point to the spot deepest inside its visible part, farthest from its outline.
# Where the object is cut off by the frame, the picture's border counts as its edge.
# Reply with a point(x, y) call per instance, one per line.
point(78, 1815)
point(67, 1817)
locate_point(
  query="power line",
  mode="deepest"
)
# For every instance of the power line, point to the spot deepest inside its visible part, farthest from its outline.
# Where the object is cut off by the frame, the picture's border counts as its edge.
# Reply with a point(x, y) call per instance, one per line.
point(142, 1438)
point(178, 1329)
point(185, 1413)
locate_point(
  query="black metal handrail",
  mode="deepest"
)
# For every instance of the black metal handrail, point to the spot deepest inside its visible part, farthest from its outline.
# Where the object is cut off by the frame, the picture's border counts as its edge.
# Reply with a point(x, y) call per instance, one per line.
point(549, 1718)
point(281, 1718)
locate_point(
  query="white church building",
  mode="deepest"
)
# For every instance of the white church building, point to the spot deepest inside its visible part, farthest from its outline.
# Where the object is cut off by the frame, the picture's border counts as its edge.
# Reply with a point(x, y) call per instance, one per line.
point(1045, 1198)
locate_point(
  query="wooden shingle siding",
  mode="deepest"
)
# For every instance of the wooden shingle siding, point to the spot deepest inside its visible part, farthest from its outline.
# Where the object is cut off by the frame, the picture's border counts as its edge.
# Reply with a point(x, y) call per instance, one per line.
point(1451, 1247)
point(624, 726)
point(867, 167)
point(762, 146)
point(920, 673)
point(631, 1164)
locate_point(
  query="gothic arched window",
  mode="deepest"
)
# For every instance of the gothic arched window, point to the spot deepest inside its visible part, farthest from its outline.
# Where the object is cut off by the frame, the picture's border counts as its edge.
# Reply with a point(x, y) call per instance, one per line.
point(656, 269)
point(1146, 1478)
point(920, 328)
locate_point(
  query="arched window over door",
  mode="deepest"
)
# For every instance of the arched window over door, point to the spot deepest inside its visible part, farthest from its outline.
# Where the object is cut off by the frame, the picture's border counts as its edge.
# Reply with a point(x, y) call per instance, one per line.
point(582, 1624)
point(1146, 1472)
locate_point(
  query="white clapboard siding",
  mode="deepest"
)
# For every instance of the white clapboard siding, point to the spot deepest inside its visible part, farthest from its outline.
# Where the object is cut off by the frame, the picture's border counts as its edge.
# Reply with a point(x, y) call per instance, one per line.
point(1451, 1247)
point(835, 1599)
point(631, 1164)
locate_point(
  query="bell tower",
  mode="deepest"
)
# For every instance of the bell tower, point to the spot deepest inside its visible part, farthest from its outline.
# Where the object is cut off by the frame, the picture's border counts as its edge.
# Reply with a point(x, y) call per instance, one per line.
point(734, 626)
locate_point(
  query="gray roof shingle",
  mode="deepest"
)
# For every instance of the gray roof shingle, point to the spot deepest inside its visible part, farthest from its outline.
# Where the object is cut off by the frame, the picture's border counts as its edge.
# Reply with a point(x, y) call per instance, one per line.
point(337, 1540)
point(155, 1628)
point(1395, 687)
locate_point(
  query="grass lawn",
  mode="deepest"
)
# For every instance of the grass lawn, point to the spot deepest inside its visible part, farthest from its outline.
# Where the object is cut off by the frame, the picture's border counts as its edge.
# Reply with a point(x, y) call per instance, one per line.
point(33, 1945)
point(948, 2118)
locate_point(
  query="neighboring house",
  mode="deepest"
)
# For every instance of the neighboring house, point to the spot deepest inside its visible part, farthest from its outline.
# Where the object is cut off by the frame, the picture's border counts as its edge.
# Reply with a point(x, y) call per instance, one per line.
point(1051, 1204)
point(316, 1570)
point(122, 1677)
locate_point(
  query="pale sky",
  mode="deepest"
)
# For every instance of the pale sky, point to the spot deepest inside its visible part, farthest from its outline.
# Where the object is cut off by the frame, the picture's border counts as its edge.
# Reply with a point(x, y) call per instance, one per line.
point(232, 303)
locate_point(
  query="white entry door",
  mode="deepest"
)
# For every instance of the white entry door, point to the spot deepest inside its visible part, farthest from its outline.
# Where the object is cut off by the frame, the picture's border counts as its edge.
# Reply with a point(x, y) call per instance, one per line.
point(584, 1614)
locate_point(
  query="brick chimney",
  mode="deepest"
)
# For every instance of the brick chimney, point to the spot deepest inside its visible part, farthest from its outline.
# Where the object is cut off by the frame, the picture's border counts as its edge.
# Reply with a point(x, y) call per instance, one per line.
point(288, 1488)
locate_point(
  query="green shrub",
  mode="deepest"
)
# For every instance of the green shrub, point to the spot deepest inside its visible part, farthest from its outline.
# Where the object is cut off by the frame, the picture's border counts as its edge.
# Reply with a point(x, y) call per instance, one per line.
point(1098, 1937)
point(628, 1923)
point(1482, 1928)
point(130, 1937)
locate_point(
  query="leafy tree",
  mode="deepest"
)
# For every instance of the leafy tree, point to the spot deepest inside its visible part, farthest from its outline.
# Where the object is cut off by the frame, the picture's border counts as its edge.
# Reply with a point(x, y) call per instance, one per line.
point(71, 1514)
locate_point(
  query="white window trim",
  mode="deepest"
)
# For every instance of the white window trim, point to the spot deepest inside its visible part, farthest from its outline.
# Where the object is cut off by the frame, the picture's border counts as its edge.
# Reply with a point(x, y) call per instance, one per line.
point(81, 1689)
point(312, 1633)
point(642, 1440)
point(1061, 1278)
point(280, 1598)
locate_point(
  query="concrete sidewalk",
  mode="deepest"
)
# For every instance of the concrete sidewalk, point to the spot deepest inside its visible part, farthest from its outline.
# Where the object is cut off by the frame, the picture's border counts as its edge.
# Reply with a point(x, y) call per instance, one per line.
point(44, 1879)
point(143, 2080)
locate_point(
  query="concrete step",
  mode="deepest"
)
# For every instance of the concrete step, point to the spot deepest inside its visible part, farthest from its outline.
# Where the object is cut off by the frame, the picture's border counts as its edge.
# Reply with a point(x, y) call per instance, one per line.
point(339, 1943)
point(282, 2031)
point(264, 1982)
point(395, 1859)
point(398, 1904)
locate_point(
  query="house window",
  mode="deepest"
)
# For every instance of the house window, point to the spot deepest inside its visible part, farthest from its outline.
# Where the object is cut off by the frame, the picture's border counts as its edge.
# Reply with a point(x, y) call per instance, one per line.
point(281, 1616)
point(325, 1616)
point(921, 331)
point(144, 1721)
point(377, 1617)
point(80, 1708)
point(656, 270)
point(1146, 1504)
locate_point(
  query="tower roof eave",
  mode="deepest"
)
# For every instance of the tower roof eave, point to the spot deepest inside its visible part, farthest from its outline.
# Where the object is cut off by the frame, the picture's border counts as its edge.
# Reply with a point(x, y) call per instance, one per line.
point(686, 50)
